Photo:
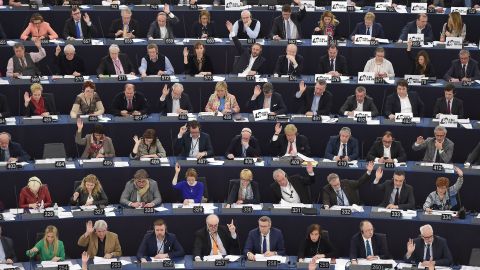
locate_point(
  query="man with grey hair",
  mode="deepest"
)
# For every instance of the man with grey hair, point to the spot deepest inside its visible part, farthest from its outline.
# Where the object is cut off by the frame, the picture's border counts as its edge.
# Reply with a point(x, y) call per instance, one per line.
point(176, 101)
point(99, 241)
point(155, 63)
point(267, 98)
point(124, 27)
point(463, 69)
point(68, 63)
point(430, 250)
point(246, 27)
point(115, 63)
point(342, 146)
point(292, 189)
point(7, 253)
point(265, 240)
point(291, 63)
point(25, 63)
point(359, 102)
point(11, 151)
point(438, 149)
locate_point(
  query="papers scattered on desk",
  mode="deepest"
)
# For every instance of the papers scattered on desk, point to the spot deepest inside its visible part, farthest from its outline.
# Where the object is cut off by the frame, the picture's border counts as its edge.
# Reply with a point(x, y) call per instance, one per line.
point(119, 164)
point(56, 264)
point(404, 265)
point(48, 160)
point(65, 215)
point(467, 267)
point(305, 158)
point(286, 205)
point(88, 207)
point(109, 209)
point(110, 214)
point(444, 165)
point(162, 160)
point(2, 81)
point(16, 211)
point(441, 212)
point(159, 260)
point(254, 206)
point(212, 258)
point(405, 213)
point(135, 40)
point(242, 159)
point(367, 262)
point(56, 41)
point(210, 161)
point(232, 258)
point(160, 209)
point(467, 126)
point(60, 209)
point(382, 40)
point(207, 207)
point(10, 121)
point(44, 8)
point(24, 77)
point(97, 42)
point(101, 260)
point(8, 216)
point(354, 208)
point(262, 258)
point(84, 7)
point(9, 266)
point(373, 122)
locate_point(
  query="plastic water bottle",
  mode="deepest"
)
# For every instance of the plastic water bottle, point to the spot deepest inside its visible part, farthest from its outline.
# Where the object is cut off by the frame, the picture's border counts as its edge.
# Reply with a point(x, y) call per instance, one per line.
point(55, 209)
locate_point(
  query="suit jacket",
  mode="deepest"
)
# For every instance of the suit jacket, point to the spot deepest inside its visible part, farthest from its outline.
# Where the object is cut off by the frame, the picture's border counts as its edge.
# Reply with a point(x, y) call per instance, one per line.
point(4, 108)
point(301, 184)
point(361, 29)
point(351, 104)
point(70, 29)
point(98, 199)
point(406, 200)
point(333, 146)
point(456, 106)
point(117, 24)
point(106, 66)
point(278, 27)
point(277, 105)
point(184, 144)
point(139, 103)
point(202, 245)
point(349, 187)
point(441, 253)
point(233, 193)
point(254, 239)
point(411, 28)
point(378, 242)
point(324, 105)
point(166, 105)
point(429, 145)
point(244, 59)
point(396, 151)
point(282, 67)
point(392, 104)
point(415, 70)
point(279, 147)
point(16, 151)
point(154, 29)
point(474, 156)
point(197, 30)
point(340, 65)
point(129, 193)
point(7, 244)
point(235, 147)
point(192, 69)
point(112, 244)
point(49, 106)
point(108, 148)
point(455, 70)
point(171, 246)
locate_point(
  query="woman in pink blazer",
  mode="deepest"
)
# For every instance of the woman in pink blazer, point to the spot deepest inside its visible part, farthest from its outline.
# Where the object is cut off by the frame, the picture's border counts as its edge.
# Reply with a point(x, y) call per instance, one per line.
point(37, 28)
point(222, 101)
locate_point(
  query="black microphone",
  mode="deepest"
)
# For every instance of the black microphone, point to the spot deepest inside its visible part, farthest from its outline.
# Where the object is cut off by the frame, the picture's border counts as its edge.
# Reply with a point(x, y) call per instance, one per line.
point(49, 70)
point(226, 63)
point(16, 200)
point(101, 28)
point(184, 27)
point(171, 142)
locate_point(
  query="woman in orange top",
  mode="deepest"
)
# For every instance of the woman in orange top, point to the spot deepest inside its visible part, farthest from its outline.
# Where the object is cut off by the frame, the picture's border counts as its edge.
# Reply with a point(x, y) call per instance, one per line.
point(37, 28)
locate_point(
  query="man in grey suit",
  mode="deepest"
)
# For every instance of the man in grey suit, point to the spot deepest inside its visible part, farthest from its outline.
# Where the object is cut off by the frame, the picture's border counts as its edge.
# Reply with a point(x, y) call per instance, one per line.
point(438, 149)
point(161, 27)
point(359, 102)
point(141, 191)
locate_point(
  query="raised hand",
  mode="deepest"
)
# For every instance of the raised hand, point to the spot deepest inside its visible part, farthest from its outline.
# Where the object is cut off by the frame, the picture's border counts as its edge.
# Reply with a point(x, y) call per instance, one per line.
point(27, 98)
point(278, 128)
point(231, 227)
point(89, 227)
point(79, 124)
point(309, 167)
point(183, 129)
point(86, 18)
point(229, 26)
point(177, 168)
point(136, 139)
point(166, 8)
point(185, 52)
point(57, 50)
point(370, 166)
point(379, 173)
point(410, 246)
point(165, 90)
point(458, 171)
point(420, 140)
point(302, 86)
point(257, 91)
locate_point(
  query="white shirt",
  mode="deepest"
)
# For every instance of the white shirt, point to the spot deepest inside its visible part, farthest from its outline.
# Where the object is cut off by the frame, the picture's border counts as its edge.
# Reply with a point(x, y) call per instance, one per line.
point(163, 31)
point(250, 64)
point(340, 149)
point(293, 29)
point(267, 240)
point(359, 107)
point(194, 147)
point(405, 105)
point(289, 194)
point(175, 105)
point(267, 102)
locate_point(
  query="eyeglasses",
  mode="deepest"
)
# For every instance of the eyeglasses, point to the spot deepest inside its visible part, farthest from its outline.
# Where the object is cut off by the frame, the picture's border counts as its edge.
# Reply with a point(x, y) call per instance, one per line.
point(427, 237)
point(76, 13)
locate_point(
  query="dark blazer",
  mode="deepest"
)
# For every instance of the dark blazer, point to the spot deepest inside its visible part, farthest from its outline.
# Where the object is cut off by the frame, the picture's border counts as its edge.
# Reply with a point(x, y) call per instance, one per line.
point(166, 105)
point(441, 107)
point(279, 147)
point(277, 105)
point(455, 70)
point(117, 24)
point(139, 103)
point(70, 29)
point(309, 249)
point(378, 242)
point(406, 200)
point(340, 65)
point(98, 199)
point(154, 29)
point(4, 108)
point(429, 70)
point(192, 69)
point(244, 59)
point(2, 32)
point(235, 147)
point(183, 145)
point(49, 106)
point(349, 187)
point(474, 157)
point(333, 146)
point(16, 151)
point(253, 242)
point(7, 244)
point(396, 151)
point(106, 66)
point(198, 30)
point(278, 27)
point(441, 253)
point(148, 247)
point(361, 29)
point(301, 184)
point(233, 193)
point(282, 68)
point(392, 104)
point(324, 106)
point(411, 28)
point(336, 33)
point(202, 245)
point(351, 104)
point(67, 67)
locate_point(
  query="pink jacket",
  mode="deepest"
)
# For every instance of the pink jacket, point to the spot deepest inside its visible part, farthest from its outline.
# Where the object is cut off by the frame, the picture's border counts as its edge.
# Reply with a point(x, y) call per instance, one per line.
point(230, 103)
point(43, 29)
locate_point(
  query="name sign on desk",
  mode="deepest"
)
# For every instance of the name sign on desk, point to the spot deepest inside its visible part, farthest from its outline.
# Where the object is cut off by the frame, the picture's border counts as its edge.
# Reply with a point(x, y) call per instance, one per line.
point(198, 210)
point(418, 8)
point(210, 40)
point(201, 161)
point(446, 217)
point(47, 119)
point(261, 114)
point(169, 41)
point(208, 77)
point(220, 263)
point(87, 41)
point(34, 79)
point(272, 263)
point(99, 212)
point(296, 210)
point(414, 79)
point(417, 39)
point(250, 78)
point(362, 39)
point(448, 120)
point(400, 116)
point(63, 267)
point(140, 117)
point(183, 116)
point(114, 6)
point(323, 265)
point(342, 163)
point(454, 43)
point(154, 6)
point(366, 77)
point(128, 41)
point(148, 210)
point(11, 166)
point(272, 117)
point(346, 212)
point(165, 78)
point(362, 116)
point(92, 118)
point(59, 164)
point(380, 266)
point(247, 210)
point(227, 116)
point(339, 6)
point(437, 167)
point(48, 214)
point(107, 163)
point(168, 264)
point(232, 4)
point(122, 78)
point(396, 214)
point(33, 5)
point(472, 11)
point(78, 79)
point(251, 41)
point(316, 118)
point(389, 165)
point(248, 161)
point(381, 5)
point(461, 10)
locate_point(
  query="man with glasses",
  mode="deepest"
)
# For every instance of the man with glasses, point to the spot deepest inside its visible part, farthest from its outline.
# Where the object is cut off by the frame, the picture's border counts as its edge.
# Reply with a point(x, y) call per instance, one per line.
point(428, 249)
point(419, 26)
point(368, 244)
point(264, 240)
point(386, 149)
point(439, 149)
point(194, 143)
point(78, 26)
point(68, 63)
point(159, 244)
point(463, 69)
point(141, 191)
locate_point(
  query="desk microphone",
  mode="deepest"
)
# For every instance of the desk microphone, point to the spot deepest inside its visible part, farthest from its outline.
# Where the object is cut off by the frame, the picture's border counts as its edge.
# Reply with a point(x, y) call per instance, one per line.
point(101, 28)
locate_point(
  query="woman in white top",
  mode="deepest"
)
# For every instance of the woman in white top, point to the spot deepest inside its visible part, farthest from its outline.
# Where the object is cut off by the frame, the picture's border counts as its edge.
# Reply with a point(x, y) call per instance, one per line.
point(379, 65)
point(454, 27)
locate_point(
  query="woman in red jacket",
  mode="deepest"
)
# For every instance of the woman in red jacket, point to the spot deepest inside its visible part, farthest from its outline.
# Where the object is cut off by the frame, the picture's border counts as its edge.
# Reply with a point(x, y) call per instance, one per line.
point(32, 195)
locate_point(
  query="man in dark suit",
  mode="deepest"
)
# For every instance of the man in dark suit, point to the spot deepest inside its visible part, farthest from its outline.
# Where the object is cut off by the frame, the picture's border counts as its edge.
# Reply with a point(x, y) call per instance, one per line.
point(367, 244)
point(195, 143)
point(292, 189)
point(428, 249)
point(288, 25)
point(130, 102)
point(125, 27)
point(421, 23)
point(397, 194)
point(243, 145)
point(448, 104)
point(342, 146)
point(162, 27)
point(175, 102)
point(249, 62)
point(215, 239)
point(359, 102)
point(4, 108)
point(403, 101)
point(474, 157)
point(386, 149)
point(8, 251)
point(159, 244)
point(332, 63)
point(314, 100)
point(11, 151)
point(368, 27)
point(463, 69)
point(2, 33)
point(78, 27)
point(289, 64)
point(264, 240)
point(290, 143)
point(267, 98)
point(115, 63)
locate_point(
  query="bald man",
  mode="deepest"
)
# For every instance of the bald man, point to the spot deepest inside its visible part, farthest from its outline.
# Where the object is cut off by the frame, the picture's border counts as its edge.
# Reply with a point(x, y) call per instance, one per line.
point(428, 249)
point(290, 63)
point(11, 151)
point(368, 245)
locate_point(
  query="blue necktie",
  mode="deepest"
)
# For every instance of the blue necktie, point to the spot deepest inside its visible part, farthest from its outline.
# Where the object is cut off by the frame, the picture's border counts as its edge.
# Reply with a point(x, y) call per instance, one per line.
point(79, 32)
point(264, 244)
point(427, 254)
point(369, 252)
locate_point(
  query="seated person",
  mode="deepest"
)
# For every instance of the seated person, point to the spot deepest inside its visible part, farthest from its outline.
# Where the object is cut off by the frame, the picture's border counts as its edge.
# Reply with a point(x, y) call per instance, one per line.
point(99, 241)
point(97, 144)
point(161, 28)
point(327, 25)
point(191, 189)
point(386, 149)
point(6, 243)
point(472, 159)
point(333, 63)
point(11, 151)
point(38, 103)
point(438, 149)
point(463, 69)
point(222, 101)
point(249, 62)
point(292, 189)
point(246, 27)
point(289, 64)
point(148, 146)
point(243, 145)
point(38, 29)
point(290, 143)
point(115, 63)
point(129, 102)
point(429, 250)
point(88, 102)
point(215, 239)
point(204, 28)
point(454, 27)
point(4, 108)
point(342, 146)
point(359, 102)
point(445, 196)
point(159, 244)
point(24, 64)
point(380, 66)
point(396, 193)
point(244, 190)
point(421, 64)
point(419, 26)
point(448, 104)
point(155, 63)
point(368, 245)
point(314, 100)
point(125, 27)
point(265, 98)
point(198, 62)
point(257, 242)
point(368, 27)
point(49, 248)
point(289, 25)
point(68, 63)
point(403, 101)
point(315, 246)
point(89, 192)
point(195, 143)
point(141, 191)
point(35, 195)
point(78, 26)
point(176, 101)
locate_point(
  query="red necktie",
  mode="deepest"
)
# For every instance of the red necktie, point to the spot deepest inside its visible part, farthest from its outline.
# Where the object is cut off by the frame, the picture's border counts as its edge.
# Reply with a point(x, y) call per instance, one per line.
point(129, 104)
point(290, 149)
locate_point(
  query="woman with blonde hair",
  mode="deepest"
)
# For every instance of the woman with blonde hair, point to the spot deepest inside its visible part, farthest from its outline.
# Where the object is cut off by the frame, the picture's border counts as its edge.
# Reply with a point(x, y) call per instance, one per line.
point(204, 28)
point(454, 27)
point(89, 192)
point(327, 25)
point(38, 28)
point(34, 194)
point(38, 103)
point(49, 248)
point(245, 190)
point(222, 101)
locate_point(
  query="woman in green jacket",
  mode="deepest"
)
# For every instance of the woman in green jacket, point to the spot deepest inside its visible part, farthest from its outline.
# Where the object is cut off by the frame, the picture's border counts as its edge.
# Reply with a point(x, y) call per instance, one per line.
point(49, 248)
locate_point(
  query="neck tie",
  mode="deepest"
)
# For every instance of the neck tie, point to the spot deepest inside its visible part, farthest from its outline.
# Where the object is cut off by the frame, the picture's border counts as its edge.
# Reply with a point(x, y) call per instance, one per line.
point(118, 67)
point(344, 149)
point(427, 253)
point(437, 157)
point(125, 30)
point(23, 62)
point(214, 246)
point(288, 67)
point(368, 248)
point(449, 108)
point(332, 65)
point(368, 31)
point(340, 198)
point(397, 197)
point(464, 70)
point(290, 149)
point(264, 244)
point(287, 30)
point(79, 31)
point(129, 104)
point(2, 155)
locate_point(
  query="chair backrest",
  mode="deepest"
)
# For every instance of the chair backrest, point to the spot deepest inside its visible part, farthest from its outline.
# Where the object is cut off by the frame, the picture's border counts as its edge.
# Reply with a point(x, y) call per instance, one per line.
point(54, 150)
point(52, 97)
point(205, 197)
point(325, 235)
point(76, 184)
point(231, 182)
point(235, 61)
point(475, 257)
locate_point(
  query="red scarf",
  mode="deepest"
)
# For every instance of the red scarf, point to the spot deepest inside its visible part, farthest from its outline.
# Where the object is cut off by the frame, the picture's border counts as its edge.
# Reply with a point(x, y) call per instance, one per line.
point(39, 106)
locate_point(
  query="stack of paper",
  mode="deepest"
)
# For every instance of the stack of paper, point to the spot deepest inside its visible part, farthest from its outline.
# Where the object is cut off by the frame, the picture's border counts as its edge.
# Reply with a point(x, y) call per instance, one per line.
point(262, 258)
